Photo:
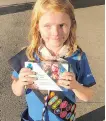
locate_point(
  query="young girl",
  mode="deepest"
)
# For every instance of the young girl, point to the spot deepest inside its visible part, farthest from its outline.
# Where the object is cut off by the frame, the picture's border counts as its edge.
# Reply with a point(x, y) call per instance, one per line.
point(53, 37)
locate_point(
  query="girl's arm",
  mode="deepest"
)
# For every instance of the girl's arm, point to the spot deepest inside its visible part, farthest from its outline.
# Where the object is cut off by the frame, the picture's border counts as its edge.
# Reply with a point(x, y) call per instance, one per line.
point(17, 89)
point(23, 80)
point(68, 80)
point(83, 93)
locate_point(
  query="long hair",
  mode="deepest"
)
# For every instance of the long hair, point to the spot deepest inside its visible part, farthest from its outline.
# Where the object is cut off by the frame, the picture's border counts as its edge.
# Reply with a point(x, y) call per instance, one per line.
point(40, 7)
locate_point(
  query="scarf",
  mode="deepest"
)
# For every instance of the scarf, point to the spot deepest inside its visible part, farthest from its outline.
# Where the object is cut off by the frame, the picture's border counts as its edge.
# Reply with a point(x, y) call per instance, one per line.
point(64, 52)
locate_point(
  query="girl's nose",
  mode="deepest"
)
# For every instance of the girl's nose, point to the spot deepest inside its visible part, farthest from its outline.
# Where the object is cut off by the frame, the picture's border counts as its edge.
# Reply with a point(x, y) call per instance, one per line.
point(55, 31)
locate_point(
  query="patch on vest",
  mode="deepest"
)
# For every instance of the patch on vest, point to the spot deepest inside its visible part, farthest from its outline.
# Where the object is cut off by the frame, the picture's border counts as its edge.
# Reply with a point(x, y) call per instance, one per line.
point(63, 108)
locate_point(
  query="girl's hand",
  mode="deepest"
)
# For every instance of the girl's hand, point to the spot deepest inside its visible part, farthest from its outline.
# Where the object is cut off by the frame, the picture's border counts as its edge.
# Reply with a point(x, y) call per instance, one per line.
point(67, 80)
point(25, 79)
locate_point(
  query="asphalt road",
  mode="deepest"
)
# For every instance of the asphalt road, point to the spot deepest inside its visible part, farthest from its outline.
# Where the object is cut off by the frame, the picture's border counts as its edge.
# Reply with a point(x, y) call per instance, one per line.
point(14, 28)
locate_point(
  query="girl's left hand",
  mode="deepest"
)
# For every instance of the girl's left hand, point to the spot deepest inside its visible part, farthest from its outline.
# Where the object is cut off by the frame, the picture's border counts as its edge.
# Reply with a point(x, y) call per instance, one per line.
point(67, 80)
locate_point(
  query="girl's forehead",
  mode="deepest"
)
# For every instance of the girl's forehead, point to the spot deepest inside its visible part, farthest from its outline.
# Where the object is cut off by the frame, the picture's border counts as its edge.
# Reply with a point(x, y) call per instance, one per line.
point(51, 16)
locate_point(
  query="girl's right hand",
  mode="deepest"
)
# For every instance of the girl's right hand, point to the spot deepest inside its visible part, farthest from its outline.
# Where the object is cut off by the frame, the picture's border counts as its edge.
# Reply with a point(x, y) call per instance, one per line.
point(25, 80)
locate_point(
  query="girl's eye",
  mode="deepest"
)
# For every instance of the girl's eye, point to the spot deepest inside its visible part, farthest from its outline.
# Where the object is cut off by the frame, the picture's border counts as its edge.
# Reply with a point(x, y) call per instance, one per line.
point(47, 26)
point(61, 25)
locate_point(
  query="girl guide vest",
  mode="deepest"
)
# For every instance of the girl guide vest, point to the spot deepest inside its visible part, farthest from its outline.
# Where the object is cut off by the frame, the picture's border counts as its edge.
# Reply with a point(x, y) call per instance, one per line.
point(58, 103)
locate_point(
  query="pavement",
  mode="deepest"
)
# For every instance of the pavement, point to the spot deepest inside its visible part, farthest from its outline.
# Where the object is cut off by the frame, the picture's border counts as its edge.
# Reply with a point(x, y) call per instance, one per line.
point(11, 2)
point(14, 28)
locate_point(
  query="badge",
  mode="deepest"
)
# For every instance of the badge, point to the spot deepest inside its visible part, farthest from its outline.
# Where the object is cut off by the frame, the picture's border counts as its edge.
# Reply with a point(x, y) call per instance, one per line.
point(68, 115)
point(52, 94)
point(63, 114)
point(51, 101)
point(68, 107)
point(56, 104)
point(72, 117)
point(57, 111)
point(64, 104)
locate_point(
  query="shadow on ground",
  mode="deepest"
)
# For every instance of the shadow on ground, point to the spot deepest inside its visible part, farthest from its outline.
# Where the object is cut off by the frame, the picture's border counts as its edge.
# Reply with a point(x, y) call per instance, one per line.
point(95, 115)
point(14, 8)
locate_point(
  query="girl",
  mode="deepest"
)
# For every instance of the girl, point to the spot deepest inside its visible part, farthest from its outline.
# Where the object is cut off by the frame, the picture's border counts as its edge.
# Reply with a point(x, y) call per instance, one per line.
point(53, 37)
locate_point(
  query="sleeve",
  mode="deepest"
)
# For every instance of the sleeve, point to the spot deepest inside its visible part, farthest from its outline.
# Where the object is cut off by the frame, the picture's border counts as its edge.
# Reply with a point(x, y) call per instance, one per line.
point(85, 75)
point(15, 74)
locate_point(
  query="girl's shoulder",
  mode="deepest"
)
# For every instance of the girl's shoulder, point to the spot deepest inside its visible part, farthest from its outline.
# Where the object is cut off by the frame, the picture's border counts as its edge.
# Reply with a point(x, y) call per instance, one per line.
point(78, 55)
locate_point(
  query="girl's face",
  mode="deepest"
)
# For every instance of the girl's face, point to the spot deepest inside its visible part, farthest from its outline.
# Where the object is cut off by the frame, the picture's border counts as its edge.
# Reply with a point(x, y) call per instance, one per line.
point(54, 28)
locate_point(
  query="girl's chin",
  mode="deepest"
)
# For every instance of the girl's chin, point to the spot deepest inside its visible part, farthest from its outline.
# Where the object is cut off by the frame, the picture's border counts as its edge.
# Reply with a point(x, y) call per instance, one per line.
point(56, 45)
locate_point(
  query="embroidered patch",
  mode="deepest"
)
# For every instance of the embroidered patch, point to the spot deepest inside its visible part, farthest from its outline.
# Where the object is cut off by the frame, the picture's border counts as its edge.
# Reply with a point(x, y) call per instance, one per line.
point(52, 100)
point(68, 107)
point(52, 94)
point(72, 117)
point(64, 104)
point(56, 104)
point(62, 107)
point(63, 114)
point(68, 115)
point(57, 111)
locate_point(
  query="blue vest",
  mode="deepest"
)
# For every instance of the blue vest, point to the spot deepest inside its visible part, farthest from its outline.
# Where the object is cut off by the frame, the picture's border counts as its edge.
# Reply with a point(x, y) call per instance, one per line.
point(83, 75)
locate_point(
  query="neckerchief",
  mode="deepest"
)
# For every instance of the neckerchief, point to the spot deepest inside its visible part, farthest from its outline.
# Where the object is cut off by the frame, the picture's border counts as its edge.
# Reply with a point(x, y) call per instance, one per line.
point(63, 53)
